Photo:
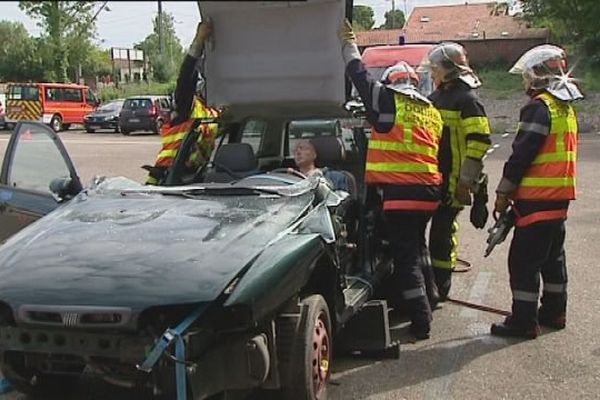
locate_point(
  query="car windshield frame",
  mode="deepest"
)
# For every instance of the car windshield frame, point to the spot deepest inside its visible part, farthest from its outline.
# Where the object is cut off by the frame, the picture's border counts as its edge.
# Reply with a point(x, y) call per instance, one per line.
point(233, 188)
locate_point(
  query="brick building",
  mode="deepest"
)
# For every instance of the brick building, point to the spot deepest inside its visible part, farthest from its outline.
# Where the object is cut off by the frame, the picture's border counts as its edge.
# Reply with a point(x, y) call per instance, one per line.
point(487, 30)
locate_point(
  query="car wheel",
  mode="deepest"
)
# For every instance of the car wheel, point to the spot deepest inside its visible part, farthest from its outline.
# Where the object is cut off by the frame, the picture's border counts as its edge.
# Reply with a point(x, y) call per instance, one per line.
point(56, 123)
point(125, 132)
point(88, 130)
point(309, 367)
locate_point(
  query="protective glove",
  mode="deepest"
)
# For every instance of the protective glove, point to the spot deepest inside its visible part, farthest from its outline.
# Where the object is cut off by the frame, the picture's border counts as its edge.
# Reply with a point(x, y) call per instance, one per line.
point(463, 193)
point(502, 202)
point(479, 212)
point(346, 34)
point(203, 31)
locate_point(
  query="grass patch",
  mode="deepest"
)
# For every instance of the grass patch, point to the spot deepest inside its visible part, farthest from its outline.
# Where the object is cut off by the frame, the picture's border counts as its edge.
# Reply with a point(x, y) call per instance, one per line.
point(499, 80)
point(134, 89)
point(589, 80)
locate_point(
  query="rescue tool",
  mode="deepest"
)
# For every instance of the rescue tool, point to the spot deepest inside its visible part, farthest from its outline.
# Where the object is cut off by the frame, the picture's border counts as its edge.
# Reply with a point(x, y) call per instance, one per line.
point(499, 231)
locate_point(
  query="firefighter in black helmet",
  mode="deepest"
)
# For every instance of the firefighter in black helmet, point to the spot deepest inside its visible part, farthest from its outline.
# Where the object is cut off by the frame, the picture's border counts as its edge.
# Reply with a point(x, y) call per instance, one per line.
point(465, 141)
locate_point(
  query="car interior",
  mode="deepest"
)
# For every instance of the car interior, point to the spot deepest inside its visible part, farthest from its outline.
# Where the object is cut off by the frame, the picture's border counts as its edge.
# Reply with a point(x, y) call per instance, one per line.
point(258, 146)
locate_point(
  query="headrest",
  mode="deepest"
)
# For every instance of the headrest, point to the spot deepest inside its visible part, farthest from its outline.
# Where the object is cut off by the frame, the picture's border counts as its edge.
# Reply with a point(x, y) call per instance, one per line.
point(330, 149)
point(238, 157)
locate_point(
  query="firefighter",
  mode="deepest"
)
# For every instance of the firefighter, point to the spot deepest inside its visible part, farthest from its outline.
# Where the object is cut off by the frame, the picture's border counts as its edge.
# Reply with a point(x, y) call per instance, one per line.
point(188, 106)
point(539, 180)
point(402, 165)
point(465, 141)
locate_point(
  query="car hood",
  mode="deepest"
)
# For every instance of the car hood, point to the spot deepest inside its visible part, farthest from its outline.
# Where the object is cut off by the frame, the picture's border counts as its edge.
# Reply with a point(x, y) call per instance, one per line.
point(103, 113)
point(279, 59)
point(140, 250)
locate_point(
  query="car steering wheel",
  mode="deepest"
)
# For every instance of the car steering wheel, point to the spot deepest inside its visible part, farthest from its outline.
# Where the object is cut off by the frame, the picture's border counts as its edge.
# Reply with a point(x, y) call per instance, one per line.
point(289, 171)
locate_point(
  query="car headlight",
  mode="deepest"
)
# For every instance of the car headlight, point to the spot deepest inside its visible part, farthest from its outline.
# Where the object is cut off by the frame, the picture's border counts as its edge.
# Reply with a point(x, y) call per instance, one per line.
point(113, 118)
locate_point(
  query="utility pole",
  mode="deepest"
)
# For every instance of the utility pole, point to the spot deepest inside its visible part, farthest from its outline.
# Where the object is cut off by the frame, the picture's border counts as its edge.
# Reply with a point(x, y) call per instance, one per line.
point(393, 14)
point(160, 30)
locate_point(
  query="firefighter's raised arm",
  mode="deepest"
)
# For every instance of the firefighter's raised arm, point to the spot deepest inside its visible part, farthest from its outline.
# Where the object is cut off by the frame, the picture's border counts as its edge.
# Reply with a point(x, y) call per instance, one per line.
point(188, 74)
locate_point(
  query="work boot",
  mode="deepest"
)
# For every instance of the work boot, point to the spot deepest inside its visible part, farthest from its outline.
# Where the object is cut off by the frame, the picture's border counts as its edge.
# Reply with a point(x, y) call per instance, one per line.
point(419, 331)
point(557, 321)
point(509, 329)
point(443, 281)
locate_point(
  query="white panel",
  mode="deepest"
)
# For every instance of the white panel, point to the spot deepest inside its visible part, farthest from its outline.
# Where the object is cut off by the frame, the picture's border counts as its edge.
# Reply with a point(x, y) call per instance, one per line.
point(275, 52)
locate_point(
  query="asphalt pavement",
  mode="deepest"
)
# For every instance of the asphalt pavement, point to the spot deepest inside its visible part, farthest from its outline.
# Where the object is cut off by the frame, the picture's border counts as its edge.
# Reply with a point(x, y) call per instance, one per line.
point(461, 360)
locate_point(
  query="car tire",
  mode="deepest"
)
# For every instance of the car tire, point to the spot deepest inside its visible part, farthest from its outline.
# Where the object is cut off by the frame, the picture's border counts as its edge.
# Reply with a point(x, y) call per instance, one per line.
point(88, 130)
point(56, 123)
point(310, 351)
point(125, 132)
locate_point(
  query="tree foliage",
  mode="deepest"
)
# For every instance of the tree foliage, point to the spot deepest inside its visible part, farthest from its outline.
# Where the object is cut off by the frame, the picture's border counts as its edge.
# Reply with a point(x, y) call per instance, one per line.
point(164, 66)
point(571, 22)
point(68, 27)
point(19, 60)
point(393, 20)
point(363, 18)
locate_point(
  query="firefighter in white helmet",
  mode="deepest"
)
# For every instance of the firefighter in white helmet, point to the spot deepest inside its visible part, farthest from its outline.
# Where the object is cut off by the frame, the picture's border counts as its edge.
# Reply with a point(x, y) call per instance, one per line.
point(465, 141)
point(539, 180)
point(402, 168)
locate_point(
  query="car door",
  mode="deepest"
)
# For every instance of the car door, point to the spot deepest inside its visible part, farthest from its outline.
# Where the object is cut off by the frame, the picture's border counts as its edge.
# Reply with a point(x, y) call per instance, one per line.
point(35, 160)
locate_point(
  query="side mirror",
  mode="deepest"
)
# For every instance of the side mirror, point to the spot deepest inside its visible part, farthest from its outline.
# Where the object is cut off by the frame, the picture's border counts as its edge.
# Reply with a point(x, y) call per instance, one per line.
point(62, 188)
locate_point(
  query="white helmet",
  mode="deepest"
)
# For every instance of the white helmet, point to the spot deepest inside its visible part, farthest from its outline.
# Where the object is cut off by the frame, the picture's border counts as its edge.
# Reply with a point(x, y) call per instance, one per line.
point(545, 67)
point(403, 79)
point(451, 58)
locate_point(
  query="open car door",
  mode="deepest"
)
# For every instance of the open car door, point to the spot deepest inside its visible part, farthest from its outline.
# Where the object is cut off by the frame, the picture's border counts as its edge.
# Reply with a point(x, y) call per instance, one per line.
point(37, 175)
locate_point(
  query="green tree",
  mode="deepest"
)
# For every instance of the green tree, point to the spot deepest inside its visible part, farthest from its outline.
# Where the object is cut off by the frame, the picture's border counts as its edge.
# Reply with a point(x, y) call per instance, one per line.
point(19, 60)
point(63, 23)
point(165, 65)
point(393, 20)
point(363, 18)
point(573, 22)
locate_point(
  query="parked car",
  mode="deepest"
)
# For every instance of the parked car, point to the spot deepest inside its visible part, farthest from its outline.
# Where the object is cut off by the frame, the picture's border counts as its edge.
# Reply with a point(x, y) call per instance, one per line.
point(144, 113)
point(248, 271)
point(106, 116)
point(57, 104)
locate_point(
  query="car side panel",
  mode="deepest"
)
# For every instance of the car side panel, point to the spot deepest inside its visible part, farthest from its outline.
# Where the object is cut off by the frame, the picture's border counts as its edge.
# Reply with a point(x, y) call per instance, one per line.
point(281, 271)
point(19, 208)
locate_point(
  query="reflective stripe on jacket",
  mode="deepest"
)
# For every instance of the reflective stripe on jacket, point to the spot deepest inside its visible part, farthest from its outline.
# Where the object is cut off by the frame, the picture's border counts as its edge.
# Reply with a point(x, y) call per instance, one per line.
point(407, 154)
point(466, 131)
point(552, 173)
point(172, 136)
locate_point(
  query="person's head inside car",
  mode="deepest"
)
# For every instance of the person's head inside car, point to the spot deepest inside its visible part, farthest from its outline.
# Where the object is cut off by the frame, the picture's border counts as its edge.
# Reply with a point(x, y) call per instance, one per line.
point(305, 155)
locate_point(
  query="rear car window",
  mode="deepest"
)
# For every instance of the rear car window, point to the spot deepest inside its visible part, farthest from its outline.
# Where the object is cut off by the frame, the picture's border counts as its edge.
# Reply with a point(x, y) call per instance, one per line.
point(137, 103)
point(23, 92)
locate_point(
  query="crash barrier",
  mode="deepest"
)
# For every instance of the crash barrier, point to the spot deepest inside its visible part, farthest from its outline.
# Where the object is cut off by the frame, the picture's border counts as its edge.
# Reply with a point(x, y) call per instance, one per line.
point(4, 386)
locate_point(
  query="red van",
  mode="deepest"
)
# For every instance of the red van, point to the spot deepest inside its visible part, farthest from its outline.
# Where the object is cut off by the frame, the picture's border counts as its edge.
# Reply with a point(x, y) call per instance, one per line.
point(378, 58)
point(56, 104)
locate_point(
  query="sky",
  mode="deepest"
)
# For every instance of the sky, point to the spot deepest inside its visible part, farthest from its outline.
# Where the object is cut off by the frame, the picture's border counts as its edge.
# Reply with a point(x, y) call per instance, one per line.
point(129, 22)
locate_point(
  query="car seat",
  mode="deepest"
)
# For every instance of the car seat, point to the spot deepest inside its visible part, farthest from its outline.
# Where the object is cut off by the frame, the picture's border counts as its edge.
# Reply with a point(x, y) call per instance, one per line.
point(232, 161)
point(331, 154)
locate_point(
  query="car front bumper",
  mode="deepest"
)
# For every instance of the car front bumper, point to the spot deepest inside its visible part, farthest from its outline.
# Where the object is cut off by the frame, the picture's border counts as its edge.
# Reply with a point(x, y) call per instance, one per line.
point(242, 361)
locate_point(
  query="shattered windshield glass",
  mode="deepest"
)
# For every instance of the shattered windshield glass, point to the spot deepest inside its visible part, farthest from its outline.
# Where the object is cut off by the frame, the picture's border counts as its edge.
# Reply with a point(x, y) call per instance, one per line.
point(241, 187)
